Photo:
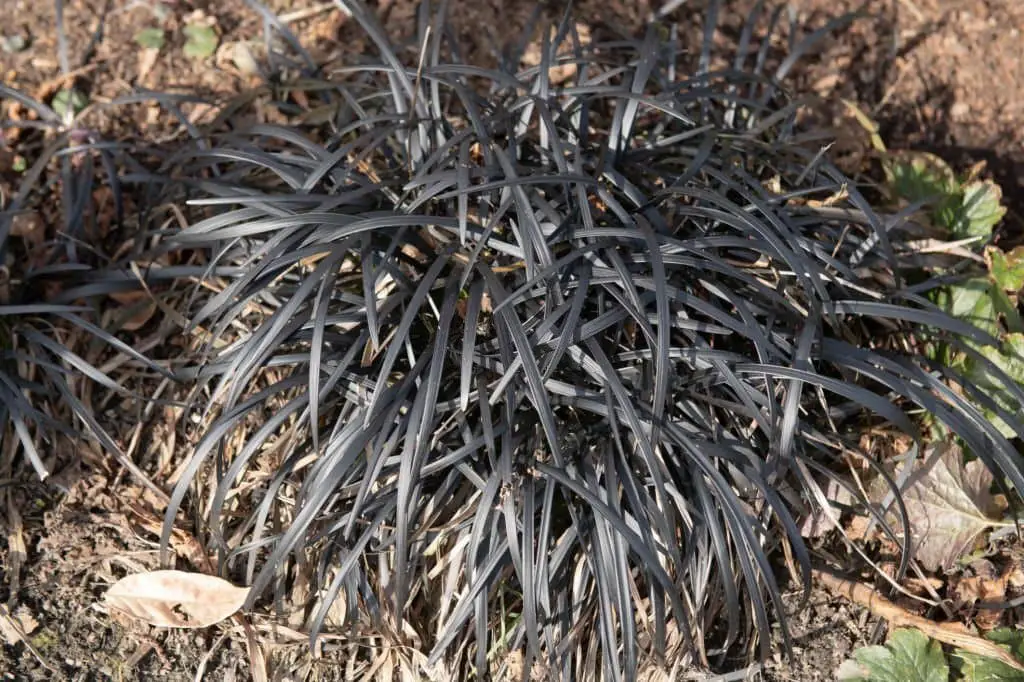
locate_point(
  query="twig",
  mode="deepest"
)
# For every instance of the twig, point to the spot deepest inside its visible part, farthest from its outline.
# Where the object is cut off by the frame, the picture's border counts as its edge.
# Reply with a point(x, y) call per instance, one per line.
point(308, 13)
point(954, 634)
point(49, 87)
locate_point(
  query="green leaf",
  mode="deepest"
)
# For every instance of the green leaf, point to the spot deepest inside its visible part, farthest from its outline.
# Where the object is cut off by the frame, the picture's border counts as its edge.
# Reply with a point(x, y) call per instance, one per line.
point(1010, 359)
point(908, 656)
point(69, 102)
point(979, 212)
point(851, 671)
point(972, 302)
point(1006, 309)
point(150, 38)
point(976, 668)
point(1007, 269)
point(200, 41)
point(916, 176)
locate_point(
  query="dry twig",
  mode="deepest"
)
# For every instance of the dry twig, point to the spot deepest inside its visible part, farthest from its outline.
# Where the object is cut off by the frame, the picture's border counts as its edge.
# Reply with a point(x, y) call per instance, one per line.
point(954, 634)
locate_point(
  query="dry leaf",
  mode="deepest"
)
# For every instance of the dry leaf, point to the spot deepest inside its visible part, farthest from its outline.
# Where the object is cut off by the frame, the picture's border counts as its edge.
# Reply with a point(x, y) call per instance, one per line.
point(147, 60)
point(17, 553)
point(244, 60)
point(857, 528)
point(14, 627)
point(257, 659)
point(141, 303)
point(184, 544)
point(986, 585)
point(948, 505)
point(821, 521)
point(558, 74)
point(175, 598)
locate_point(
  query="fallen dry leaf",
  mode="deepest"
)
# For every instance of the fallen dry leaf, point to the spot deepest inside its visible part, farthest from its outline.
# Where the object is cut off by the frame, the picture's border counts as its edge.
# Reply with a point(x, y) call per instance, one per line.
point(925, 585)
point(857, 528)
point(986, 585)
point(184, 544)
point(14, 627)
point(1015, 577)
point(142, 305)
point(175, 599)
point(147, 60)
point(949, 505)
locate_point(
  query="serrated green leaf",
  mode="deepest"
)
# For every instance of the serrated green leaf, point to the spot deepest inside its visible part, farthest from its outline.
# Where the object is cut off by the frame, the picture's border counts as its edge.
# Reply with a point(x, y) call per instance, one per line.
point(979, 212)
point(68, 102)
point(908, 656)
point(975, 668)
point(200, 41)
point(916, 176)
point(1007, 269)
point(150, 38)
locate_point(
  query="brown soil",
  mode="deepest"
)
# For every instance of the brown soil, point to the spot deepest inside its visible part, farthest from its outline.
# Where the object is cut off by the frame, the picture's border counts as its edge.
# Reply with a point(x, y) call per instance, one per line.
point(941, 75)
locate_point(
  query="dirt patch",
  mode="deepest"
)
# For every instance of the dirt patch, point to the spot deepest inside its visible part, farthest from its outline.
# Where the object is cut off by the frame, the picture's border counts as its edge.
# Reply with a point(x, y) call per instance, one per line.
point(824, 635)
point(938, 76)
point(77, 546)
point(942, 76)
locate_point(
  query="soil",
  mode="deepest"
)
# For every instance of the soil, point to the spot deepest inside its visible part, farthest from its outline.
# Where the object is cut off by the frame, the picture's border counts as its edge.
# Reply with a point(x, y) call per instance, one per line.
point(940, 75)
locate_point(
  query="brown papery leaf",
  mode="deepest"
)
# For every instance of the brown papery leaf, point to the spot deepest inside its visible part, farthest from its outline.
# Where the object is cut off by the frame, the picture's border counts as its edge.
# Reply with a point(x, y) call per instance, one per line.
point(949, 505)
point(986, 585)
point(141, 302)
point(147, 60)
point(176, 599)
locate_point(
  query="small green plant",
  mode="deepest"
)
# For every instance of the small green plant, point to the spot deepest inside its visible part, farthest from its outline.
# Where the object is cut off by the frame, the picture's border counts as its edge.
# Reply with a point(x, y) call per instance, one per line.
point(200, 41)
point(910, 656)
point(965, 206)
point(986, 297)
point(150, 38)
point(69, 102)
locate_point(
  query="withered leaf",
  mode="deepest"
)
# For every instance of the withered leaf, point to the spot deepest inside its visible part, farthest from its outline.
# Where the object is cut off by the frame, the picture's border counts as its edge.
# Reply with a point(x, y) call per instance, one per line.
point(175, 599)
point(14, 627)
point(949, 504)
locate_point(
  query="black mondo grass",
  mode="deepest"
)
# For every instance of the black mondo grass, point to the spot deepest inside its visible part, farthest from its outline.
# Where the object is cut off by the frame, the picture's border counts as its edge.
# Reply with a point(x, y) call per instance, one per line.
point(43, 323)
point(584, 348)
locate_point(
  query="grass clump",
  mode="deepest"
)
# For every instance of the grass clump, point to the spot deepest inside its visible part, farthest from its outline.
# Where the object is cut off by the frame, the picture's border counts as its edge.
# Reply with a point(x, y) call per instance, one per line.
point(56, 237)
